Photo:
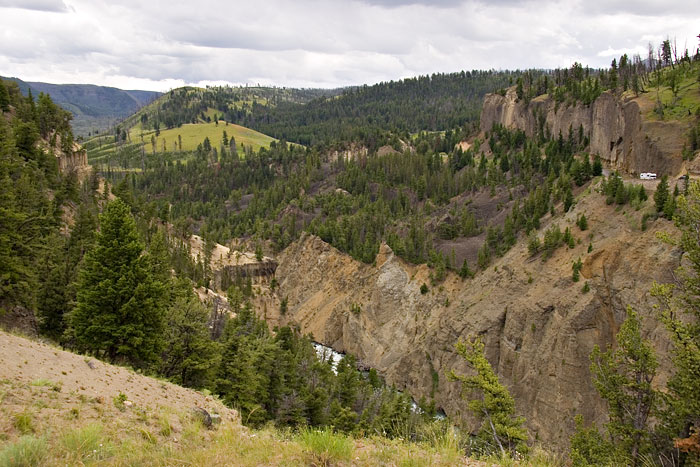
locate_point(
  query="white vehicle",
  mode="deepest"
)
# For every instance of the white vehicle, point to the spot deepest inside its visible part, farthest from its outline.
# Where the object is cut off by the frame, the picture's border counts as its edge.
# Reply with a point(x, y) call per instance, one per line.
point(647, 176)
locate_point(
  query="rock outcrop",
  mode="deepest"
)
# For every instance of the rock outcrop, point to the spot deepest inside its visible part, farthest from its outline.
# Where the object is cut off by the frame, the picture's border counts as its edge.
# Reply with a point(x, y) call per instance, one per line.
point(617, 131)
point(538, 325)
point(73, 160)
point(227, 264)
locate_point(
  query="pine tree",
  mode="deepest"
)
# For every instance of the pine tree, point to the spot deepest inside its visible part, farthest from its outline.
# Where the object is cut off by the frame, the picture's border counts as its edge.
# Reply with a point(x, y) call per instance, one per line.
point(4, 98)
point(661, 194)
point(597, 166)
point(494, 406)
point(576, 268)
point(244, 374)
point(623, 377)
point(464, 271)
point(483, 256)
point(669, 207)
point(52, 300)
point(190, 356)
point(582, 222)
point(613, 75)
point(119, 309)
point(680, 313)
point(568, 199)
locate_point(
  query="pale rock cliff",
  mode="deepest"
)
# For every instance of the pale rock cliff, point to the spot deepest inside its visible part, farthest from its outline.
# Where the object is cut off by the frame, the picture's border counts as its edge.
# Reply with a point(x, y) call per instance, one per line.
point(539, 327)
point(616, 128)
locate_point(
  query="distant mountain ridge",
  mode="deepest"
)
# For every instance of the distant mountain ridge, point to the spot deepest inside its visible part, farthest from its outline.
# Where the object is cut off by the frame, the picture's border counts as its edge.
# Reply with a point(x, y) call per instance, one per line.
point(93, 107)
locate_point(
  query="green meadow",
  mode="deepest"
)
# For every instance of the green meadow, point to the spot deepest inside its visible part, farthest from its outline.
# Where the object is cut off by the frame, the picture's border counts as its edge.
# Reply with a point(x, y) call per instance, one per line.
point(193, 135)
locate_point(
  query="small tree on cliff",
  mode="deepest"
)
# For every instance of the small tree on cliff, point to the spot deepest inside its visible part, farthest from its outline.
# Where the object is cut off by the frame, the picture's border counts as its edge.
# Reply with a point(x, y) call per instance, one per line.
point(623, 378)
point(500, 429)
point(119, 312)
point(680, 313)
point(661, 194)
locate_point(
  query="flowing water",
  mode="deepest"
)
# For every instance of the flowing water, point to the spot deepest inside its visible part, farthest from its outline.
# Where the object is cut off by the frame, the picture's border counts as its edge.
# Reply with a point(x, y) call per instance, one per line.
point(326, 353)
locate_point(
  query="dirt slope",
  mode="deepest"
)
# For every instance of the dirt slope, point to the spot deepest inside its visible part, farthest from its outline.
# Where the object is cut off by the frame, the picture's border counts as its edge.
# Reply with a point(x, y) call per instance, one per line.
point(25, 362)
point(56, 410)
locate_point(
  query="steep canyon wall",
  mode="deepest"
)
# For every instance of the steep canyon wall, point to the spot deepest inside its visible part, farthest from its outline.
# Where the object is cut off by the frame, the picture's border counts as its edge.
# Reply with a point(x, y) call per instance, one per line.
point(616, 128)
point(538, 325)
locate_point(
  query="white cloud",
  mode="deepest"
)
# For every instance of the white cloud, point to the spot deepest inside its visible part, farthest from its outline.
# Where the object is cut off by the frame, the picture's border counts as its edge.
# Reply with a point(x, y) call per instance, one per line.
point(38, 5)
point(315, 43)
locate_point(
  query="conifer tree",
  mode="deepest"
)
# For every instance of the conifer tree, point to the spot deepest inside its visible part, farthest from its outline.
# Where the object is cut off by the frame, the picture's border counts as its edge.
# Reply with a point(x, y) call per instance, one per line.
point(190, 355)
point(597, 166)
point(680, 313)
point(494, 406)
point(464, 271)
point(661, 194)
point(243, 376)
point(119, 309)
point(52, 300)
point(582, 222)
point(4, 97)
point(623, 377)
point(568, 199)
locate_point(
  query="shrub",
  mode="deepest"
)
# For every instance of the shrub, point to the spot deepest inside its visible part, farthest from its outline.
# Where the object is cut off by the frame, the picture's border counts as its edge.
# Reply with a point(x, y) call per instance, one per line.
point(23, 422)
point(27, 451)
point(325, 447)
point(582, 222)
point(533, 244)
point(119, 400)
point(576, 268)
point(86, 444)
point(43, 382)
point(423, 289)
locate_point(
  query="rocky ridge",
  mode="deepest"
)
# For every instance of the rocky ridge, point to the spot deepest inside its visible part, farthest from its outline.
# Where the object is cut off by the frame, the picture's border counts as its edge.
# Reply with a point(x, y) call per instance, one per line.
point(615, 125)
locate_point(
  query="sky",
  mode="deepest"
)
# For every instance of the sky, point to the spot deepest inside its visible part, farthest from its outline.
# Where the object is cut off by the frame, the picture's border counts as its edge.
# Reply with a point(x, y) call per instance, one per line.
point(159, 45)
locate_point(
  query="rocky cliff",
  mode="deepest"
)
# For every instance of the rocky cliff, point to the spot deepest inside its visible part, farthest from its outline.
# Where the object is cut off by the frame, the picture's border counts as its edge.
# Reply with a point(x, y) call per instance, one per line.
point(616, 128)
point(74, 160)
point(538, 325)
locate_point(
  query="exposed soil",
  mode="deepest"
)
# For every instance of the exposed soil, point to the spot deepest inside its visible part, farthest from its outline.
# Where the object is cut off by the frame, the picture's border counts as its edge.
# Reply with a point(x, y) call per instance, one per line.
point(25, 362)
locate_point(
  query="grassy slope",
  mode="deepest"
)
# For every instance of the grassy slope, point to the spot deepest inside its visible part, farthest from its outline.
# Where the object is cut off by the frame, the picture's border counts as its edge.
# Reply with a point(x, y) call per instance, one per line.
point(682, 107)
point(100, 148)
point(194, 134)
point(56, 410)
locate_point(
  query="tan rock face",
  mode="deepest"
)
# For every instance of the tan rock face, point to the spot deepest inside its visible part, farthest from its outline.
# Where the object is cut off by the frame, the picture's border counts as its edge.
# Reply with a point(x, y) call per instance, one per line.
point(617, 131)
point(538, 326)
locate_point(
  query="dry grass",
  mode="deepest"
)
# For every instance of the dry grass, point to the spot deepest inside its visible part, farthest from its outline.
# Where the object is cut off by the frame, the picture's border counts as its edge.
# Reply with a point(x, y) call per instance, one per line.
point(47, 420)
point(40, 425)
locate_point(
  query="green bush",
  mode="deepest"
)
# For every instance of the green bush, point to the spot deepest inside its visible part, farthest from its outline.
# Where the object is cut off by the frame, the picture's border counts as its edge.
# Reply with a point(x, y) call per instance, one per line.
point(119, 400)
point(27, 451)
point(86, 444)
point(23, 422)
point(326, 447)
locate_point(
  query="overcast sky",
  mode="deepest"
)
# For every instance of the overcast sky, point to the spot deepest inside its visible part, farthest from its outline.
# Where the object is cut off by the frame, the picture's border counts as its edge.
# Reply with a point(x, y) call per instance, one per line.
point(158, 45)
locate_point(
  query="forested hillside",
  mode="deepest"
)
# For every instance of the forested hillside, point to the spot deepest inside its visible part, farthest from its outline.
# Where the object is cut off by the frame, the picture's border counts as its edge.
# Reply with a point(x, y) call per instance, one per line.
point(32, 193)
point(94, 108)
point(425, 103)
point(191, 105)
